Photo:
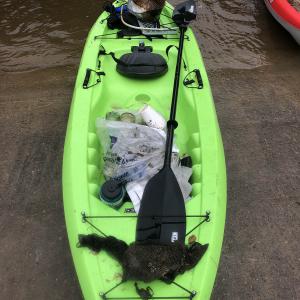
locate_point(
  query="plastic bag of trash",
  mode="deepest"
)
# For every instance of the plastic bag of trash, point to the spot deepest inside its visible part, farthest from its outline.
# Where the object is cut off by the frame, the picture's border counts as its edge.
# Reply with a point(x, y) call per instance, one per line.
point(131, 151)
point(135, 189)
point(125, 115)
point(146, 115)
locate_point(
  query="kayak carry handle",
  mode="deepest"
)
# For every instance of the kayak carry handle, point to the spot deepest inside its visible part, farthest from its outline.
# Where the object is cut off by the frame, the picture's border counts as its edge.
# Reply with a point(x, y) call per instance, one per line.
point(188, 81)
point(88, 72)
point(86, 78)
point(199, 79)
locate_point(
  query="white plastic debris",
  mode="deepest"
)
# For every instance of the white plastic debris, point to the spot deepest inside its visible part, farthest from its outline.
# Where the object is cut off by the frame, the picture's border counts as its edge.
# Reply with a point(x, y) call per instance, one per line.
point(130, 151)
point(135, 189)
point(133, 153)
point(152, 118)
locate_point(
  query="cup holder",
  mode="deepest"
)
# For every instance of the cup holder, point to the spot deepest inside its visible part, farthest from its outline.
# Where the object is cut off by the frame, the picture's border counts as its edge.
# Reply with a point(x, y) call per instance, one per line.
point(142, 98)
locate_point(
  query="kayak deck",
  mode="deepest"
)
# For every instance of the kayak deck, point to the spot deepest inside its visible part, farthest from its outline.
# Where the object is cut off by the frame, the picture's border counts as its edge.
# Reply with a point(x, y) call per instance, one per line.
point(197, 135)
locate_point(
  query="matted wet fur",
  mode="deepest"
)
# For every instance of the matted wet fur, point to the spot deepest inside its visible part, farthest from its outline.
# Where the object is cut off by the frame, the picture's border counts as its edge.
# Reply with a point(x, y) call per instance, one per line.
point(147, 261)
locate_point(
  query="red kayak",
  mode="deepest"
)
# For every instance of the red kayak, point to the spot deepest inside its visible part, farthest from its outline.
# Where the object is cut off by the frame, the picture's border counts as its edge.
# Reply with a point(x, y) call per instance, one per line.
point(286, 15)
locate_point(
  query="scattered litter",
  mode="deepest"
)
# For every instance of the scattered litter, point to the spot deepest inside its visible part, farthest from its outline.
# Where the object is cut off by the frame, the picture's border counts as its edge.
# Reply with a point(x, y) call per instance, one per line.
point(133, 153)
point(152, 118)
point(112, 193)
point(112, 116)
point(127, 117)
point(186, 161)
point(135, 189)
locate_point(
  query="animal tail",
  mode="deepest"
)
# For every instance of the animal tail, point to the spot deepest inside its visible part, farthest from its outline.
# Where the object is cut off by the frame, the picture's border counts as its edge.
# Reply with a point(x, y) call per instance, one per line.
point(96, 243)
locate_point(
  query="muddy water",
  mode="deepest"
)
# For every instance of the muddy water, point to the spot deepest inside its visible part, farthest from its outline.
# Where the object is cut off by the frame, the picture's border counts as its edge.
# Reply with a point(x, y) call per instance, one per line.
point(40, 34)
point(253, 65)
point(231, 34)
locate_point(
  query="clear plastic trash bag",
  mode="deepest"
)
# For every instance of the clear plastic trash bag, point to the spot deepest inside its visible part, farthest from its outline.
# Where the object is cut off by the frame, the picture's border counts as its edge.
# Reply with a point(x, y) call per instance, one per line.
point(130, 151)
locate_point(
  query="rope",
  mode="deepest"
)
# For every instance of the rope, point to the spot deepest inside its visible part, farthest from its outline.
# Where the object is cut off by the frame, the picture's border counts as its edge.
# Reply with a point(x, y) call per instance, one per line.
point(91, 224)
point(146, 294)
point(85, 219)
point(207, 219)
point(144, 28)
point(136, 216)
point(101, 35)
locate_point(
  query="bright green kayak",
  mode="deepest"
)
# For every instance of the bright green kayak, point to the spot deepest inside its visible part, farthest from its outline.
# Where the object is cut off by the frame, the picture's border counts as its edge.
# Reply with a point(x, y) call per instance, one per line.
point(198, 135)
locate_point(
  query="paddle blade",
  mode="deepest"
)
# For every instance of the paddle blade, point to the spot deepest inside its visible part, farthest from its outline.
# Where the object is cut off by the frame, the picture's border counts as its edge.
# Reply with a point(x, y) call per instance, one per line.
point(162, 213)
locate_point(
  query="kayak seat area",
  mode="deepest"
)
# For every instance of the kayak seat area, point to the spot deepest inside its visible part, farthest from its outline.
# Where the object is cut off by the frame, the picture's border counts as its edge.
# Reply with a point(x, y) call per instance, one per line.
point(140, 63)
point(126, 86)
point(187, 133)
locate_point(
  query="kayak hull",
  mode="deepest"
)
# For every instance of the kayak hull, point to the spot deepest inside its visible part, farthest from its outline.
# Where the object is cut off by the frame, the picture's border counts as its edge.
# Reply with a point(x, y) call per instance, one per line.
point(286, 15)
point(198, 135)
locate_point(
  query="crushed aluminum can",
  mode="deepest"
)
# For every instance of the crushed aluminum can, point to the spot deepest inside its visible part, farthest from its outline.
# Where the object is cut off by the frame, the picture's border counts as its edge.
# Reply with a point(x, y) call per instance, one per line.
point(112, 116)
point(127, 117)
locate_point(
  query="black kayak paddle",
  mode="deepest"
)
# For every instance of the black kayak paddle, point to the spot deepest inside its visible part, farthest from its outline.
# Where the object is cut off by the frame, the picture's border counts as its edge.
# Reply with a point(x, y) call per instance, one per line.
point(162, 216)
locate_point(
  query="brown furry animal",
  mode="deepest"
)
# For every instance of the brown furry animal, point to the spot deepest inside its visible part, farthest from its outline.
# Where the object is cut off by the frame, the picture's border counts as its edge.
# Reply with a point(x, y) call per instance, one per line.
point(147, 261)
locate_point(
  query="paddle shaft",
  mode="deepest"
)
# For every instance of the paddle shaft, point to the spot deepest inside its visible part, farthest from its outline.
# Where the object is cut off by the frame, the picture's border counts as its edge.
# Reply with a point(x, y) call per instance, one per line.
point(162, 195)
point(172, 124)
